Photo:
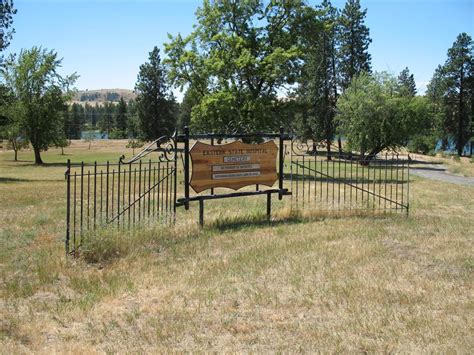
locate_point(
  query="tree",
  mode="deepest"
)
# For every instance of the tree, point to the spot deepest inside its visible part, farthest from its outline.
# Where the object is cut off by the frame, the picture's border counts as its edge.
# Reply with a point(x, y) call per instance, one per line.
point(406, 83)
point(74, 121)
point(451, 93)
point(121, 119)
point(354, 43)
point(155, 102)
point(374, 118)
point(40, 93)
point(459, 75)
point(442, 120)
point(191, 98)
point(11, 130)
point(238, 57)
point(317, 91)
point(89, 137)
point(7, 10)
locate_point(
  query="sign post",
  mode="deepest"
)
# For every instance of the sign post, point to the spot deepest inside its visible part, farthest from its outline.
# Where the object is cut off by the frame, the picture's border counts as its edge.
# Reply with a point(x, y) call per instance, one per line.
point(233, 165)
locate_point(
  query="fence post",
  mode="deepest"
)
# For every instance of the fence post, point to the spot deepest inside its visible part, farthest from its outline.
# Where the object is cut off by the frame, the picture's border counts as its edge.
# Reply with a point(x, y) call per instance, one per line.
point(68, 204)
point(186, 168)
point(269, 206)
point(175, 141)
point(408, 185)
point(280, 163)
point(201, 212)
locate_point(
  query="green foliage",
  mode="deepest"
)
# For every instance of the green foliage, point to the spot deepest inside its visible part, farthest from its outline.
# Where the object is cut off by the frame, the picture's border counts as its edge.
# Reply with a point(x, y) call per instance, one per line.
point(451, 90)
point(422, 143)
point(317, 92)
point(89, 96)
point(121, 118)
point(406, 83)
point(373, 118)
point(74, 121)
point(354, 43)
point(39, 92)
point(236, 60)
point(7, 10)
point(134, 144)
point(191, 99)
point(116, 133)
point(89, 137)
point(155, 103)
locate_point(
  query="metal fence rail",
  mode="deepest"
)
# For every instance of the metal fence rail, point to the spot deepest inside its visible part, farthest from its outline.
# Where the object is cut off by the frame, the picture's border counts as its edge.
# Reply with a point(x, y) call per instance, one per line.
point(342, 182)
point(119, 194)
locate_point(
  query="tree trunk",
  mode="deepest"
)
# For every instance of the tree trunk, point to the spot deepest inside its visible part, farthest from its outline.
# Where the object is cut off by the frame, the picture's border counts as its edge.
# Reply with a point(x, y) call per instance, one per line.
point(460, 142)
point(15, 148)
point(38, 160)
point(365, 159)
point(339, 145)
point(328, 148)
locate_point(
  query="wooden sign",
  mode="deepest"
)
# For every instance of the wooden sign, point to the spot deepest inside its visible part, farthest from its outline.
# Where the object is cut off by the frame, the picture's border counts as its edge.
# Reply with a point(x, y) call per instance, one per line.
point(233, 165)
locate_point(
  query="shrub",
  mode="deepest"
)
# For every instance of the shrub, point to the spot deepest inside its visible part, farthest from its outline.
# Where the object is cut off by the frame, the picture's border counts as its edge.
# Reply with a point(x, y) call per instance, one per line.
point(423, 144)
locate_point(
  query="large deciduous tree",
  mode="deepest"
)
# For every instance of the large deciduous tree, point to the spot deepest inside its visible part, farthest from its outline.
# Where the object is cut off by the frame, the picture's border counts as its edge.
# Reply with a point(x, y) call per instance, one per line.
point(40, 94)
point(155, 103)
point(239, 56)
point(373, 117)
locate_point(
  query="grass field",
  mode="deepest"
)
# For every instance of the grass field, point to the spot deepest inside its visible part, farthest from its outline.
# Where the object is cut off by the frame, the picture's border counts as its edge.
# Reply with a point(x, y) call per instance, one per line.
point(354, 283)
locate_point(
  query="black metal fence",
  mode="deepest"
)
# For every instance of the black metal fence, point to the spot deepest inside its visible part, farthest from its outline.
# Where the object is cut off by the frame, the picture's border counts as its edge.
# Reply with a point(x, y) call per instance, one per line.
point(130, 193)
point(122, 194)
point(340, 182)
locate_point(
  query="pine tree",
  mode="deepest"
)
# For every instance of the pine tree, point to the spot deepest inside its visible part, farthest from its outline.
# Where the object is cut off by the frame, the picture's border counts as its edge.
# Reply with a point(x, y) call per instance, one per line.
point(459, 75)
point(318, 84)
point(121, 119)
point(75, 121)
point(155, 102)
point(406, 83)
point(354, 43)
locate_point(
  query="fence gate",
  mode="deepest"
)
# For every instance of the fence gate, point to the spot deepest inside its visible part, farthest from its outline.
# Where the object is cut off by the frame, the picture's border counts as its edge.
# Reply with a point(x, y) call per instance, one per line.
point(341, 181)
point(141, 190)
point(122, 194)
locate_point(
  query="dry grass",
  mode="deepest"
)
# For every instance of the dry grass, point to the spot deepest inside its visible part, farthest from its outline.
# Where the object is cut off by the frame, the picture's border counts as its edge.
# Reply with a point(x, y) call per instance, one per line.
point(463, 166)
point(303, 283)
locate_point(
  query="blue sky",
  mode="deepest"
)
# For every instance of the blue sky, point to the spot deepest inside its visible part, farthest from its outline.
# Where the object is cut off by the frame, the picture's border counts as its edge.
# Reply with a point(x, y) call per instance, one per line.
point(105, 41)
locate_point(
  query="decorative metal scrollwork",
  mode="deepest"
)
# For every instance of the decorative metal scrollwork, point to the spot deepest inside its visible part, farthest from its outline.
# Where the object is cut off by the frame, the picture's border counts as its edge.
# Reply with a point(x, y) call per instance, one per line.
point(165, 145)
point(299, 147)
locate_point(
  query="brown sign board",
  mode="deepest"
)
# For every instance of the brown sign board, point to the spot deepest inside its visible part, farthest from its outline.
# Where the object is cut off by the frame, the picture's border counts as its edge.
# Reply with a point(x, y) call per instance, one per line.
point(233, 165)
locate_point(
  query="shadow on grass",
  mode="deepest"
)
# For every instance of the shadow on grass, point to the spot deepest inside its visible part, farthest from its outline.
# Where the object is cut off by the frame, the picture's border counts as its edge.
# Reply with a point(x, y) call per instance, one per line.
point(13, 180)
point(254, 221)
point(30, 164)
point(296, 217)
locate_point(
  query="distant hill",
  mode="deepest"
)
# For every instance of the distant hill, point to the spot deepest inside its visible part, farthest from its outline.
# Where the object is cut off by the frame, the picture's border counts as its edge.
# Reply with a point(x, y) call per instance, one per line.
point(102, 95)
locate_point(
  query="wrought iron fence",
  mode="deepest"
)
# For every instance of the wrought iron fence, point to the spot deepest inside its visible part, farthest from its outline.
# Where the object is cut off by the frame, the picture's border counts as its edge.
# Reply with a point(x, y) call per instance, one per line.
point(342, 181)
point(122, 194)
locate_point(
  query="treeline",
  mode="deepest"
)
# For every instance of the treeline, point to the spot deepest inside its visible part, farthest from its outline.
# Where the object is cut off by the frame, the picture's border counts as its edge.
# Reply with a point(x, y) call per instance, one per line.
point(255, 66)
point(116, 120)
point(94, 96)
point(260, 65)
